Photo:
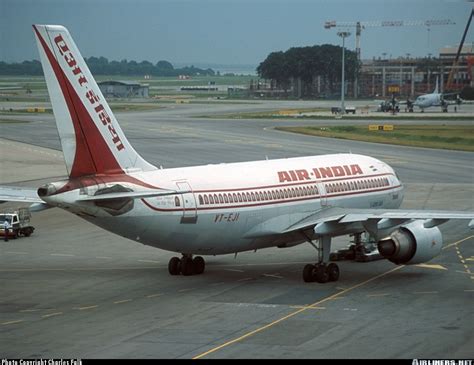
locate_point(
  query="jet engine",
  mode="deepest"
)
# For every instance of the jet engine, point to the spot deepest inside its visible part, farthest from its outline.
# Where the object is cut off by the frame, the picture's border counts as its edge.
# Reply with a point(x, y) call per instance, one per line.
point(411, 244)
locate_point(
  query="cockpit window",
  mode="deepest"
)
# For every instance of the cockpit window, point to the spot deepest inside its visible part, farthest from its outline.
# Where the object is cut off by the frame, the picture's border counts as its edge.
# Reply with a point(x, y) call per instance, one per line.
point(4, 218)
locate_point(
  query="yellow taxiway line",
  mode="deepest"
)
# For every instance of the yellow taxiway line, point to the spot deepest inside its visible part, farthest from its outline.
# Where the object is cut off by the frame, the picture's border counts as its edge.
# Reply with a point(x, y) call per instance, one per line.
point(312, 306)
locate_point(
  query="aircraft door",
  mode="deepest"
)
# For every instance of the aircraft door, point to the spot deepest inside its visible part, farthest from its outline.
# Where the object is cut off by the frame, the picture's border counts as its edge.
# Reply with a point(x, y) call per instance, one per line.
point(188, 202)
point(323, 194)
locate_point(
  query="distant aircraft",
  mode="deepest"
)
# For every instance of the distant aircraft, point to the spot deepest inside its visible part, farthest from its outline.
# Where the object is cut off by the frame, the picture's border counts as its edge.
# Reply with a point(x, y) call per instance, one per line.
point(436, 99)
point(217, 209)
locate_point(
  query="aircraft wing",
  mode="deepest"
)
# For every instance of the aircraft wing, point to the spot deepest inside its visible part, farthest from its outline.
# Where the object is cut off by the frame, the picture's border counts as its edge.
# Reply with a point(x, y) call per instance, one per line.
point(333, 219)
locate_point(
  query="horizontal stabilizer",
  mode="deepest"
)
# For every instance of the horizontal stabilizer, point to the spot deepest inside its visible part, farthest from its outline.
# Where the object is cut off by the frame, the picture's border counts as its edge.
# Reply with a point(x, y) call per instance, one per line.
point(19, 194)
point(130, 194)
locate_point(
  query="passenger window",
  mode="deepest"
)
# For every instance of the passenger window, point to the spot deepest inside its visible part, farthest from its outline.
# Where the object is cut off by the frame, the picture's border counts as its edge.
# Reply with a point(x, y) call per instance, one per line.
point(176, 201)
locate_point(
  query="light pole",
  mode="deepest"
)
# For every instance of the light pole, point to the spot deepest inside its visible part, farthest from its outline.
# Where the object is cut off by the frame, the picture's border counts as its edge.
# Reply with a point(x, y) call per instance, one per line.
point(343, 35)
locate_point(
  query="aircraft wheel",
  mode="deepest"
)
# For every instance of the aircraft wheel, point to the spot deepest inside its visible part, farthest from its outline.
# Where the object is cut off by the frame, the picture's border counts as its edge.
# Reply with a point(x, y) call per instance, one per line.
point(199, 265)
point(321, 274)
point(333, 272)
point(173, 266)
point(308, 276)
point(187, 267)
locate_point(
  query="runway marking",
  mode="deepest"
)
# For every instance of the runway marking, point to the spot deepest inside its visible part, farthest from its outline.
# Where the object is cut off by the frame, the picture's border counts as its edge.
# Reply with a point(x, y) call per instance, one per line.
point(86, 308)
point(292, 314)
point(29, 310)
point(461, 258)
point(263, 264)
point(462, 272)
point(79, 269)
point(273, 276)
point(12, 322)
point(61, 254)
point(103, 257)
point(432, 266)
point(219, 283)
point(245, 279)
point(470, 259)
point(17, 252)
point(305, 306)
point(155, 262)
point(153, 295)
point(123, 301)
point(51, 314)
point(469, 290)
point(350, 309)
point(378, 295)
point(457, 242)
point(185, 290)
point(234, 270)
point(425, 292)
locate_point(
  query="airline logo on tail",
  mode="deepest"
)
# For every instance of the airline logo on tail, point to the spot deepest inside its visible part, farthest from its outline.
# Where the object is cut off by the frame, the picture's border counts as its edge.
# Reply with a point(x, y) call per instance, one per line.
point(90, 95)
point(91, 138)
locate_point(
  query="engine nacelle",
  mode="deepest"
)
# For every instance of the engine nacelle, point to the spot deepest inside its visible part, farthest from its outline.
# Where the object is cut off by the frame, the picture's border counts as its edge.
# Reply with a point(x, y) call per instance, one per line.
point(411, 244)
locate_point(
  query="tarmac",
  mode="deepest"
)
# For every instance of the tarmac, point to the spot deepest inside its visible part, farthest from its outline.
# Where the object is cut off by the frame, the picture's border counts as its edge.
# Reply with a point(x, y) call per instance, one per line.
point(73, 290)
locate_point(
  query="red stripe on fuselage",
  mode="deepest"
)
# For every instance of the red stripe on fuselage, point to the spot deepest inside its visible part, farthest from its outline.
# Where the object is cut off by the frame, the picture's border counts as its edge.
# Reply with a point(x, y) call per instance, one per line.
point(270, 202)
point(92, 155)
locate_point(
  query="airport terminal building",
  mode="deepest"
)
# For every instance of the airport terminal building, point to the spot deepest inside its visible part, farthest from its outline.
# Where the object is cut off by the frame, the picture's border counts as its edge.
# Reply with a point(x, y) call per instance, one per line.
point(409, 76)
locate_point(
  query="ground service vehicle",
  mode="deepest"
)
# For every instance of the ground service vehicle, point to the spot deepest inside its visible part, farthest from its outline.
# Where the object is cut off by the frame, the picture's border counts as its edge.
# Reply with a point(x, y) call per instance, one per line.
point(19, 221)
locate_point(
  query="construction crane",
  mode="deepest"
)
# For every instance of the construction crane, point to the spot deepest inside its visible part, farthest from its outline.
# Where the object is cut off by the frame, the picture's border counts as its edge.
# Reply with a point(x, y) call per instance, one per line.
point(385, 23)
point(449, 84)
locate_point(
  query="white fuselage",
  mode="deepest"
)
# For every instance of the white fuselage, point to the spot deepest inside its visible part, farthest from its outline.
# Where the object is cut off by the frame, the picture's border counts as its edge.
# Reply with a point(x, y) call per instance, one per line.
point(229, 208)
point(428, 100)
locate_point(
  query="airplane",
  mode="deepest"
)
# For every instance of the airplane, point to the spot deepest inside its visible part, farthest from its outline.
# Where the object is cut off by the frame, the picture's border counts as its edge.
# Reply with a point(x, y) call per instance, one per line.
point(435, 99)
point(222, 208)
point(423, 101)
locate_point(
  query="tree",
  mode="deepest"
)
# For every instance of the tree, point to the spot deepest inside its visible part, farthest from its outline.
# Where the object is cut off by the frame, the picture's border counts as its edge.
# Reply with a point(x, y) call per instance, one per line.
point(306, 64)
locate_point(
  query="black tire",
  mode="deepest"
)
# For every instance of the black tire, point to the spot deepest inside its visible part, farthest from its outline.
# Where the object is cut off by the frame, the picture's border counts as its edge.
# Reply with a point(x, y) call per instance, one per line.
point(308, 273)
point(321, 275)
point(333, 272)
point(199, 265)
point(187, 267)
point(173, 266)
point(27, 232)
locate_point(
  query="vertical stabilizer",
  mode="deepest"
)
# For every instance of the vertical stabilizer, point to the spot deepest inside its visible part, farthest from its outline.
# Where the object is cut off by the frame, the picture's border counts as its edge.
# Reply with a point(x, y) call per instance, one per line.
point(91, 138)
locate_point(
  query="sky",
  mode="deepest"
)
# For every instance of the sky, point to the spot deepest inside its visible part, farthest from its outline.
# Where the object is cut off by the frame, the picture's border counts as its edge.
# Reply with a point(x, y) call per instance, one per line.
point(232, 32)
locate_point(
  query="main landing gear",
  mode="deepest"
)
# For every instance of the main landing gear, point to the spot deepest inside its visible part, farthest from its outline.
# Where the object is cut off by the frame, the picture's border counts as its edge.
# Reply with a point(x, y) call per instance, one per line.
point(321, 272)
point(187, 265)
